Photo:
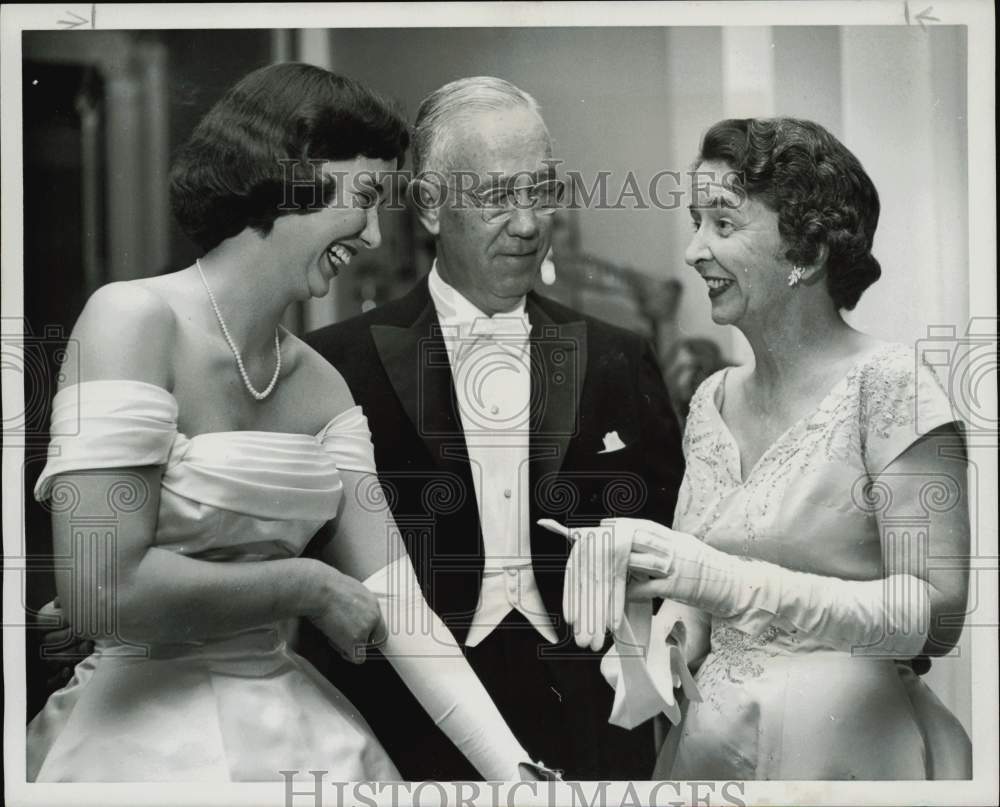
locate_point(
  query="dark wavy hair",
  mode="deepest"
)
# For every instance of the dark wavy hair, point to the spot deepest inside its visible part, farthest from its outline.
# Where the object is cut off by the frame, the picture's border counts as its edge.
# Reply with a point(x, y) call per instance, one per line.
point(253, 151)
point(822, 195)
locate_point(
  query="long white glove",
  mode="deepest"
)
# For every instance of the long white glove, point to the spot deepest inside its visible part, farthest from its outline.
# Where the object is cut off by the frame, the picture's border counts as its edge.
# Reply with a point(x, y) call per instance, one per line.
point(595, 582)
point(649, 658)
point(429, 661)
point(886, 617)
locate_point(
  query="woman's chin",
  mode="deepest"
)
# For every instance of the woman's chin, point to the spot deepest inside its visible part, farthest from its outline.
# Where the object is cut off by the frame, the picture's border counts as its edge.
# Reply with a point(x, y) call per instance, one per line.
point(720, 316)
point(319, 287)
point(729, 308)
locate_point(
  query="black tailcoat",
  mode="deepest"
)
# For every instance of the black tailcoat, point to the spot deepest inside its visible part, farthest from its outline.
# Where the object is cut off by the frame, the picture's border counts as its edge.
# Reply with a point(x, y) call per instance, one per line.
point(588, 379)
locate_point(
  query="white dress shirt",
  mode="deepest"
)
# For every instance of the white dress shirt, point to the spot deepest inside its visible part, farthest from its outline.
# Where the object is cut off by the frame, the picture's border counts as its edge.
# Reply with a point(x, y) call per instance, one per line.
point(491, 368)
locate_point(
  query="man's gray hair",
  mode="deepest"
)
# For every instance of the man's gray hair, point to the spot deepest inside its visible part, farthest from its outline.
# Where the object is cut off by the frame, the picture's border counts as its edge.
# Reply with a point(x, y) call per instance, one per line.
point(439, 111)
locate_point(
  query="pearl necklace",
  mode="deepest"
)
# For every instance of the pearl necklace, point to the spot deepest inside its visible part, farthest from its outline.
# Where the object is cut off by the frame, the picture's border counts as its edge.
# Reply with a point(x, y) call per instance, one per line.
point(260, 396)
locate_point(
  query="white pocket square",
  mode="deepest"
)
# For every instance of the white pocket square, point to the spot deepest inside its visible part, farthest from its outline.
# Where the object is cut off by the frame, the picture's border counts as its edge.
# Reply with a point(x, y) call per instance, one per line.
point(612, 442)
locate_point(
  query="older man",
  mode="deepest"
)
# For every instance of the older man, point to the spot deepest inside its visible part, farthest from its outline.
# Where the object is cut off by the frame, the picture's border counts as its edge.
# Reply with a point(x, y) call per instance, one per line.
point(492, 407)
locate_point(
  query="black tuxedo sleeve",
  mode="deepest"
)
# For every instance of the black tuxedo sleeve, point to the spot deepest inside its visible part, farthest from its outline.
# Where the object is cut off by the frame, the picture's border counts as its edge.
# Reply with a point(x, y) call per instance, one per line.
point(663, 459)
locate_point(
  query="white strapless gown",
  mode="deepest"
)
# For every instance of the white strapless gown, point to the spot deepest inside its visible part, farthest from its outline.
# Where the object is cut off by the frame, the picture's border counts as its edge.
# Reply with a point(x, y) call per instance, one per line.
point(240, 707)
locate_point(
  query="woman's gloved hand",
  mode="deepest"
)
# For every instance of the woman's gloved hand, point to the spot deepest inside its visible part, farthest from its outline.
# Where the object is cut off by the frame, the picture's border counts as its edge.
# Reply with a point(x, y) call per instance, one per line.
point(885, 617)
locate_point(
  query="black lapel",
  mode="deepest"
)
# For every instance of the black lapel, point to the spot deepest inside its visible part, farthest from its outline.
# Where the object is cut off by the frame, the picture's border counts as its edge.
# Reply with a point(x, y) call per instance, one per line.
point(559, 365)
point(416, 361)
point(447, 555)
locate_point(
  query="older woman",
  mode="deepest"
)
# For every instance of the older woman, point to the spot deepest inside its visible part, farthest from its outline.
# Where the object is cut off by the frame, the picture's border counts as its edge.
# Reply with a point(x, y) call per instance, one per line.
point(222, 443)
point(813, 600)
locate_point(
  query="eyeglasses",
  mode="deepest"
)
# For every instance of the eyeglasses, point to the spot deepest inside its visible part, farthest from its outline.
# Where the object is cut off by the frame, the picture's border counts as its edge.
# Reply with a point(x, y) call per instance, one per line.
point(499, 203)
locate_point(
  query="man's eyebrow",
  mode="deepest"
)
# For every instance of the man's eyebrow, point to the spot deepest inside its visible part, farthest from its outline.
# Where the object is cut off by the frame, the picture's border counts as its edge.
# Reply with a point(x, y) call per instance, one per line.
point(500, 180)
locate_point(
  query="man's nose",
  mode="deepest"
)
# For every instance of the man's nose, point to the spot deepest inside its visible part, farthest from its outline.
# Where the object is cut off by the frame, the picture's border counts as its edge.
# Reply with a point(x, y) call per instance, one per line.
point(523, 222)
point(372, 234)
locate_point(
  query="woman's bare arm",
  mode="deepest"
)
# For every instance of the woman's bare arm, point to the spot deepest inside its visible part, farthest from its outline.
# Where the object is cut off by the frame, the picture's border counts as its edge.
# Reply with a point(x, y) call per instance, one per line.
point(930, 537)
point(118, 583)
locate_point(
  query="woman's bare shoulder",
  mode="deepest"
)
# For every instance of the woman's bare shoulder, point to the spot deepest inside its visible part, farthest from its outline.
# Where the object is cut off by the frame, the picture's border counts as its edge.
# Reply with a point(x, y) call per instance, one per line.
point(318, 384)
point(128, 298)
point(125, 331)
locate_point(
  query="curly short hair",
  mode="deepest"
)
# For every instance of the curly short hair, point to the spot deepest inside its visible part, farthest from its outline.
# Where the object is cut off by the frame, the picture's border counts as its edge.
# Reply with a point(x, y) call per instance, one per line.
point(822, 195)
point(254, 149)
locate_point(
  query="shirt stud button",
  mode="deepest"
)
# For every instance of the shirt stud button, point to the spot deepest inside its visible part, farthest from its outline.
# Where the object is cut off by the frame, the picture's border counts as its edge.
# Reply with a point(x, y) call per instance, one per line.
point(495, 410)
point(507, 493)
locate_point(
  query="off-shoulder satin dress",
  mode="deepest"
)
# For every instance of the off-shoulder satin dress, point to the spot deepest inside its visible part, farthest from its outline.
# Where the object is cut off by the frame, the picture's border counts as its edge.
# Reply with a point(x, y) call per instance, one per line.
point(239, 707)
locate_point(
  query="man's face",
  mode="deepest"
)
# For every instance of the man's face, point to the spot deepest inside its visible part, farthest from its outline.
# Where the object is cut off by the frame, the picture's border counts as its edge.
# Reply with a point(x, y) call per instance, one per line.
point(494, 264)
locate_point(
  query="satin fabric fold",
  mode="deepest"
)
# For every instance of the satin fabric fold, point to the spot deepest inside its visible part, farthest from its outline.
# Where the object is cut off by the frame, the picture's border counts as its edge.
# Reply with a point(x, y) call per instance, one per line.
point(348, 441)
point(242, 712)
point(108, 424)
point(241, 707)
point(264, 475)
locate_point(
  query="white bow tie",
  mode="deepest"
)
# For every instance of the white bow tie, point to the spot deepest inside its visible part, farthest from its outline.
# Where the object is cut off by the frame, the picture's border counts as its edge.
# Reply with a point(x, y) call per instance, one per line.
point(511, 325)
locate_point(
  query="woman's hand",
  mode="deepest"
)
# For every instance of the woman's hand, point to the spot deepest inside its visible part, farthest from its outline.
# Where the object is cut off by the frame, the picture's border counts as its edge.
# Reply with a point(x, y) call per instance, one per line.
point(655, 549)
point(59, 637)
point(594, 584)
point(349, 616)
point(597, 572)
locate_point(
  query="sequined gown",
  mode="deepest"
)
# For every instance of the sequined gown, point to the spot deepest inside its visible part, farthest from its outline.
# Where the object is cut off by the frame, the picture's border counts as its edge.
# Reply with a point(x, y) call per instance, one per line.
point(238, 707)
point(787, 707)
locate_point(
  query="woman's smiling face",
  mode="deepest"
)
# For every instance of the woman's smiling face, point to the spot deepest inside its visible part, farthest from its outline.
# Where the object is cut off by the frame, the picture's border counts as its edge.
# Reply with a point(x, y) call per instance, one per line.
point(736, 247)
point(324, 241)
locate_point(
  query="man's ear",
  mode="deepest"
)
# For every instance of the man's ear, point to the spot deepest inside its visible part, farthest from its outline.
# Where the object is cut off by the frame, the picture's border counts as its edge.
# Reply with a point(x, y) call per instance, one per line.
point(429, 217)
point(427, 200)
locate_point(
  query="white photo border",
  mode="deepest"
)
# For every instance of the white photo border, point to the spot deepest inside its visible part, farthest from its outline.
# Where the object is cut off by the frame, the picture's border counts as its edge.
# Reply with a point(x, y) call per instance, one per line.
point(979, 19)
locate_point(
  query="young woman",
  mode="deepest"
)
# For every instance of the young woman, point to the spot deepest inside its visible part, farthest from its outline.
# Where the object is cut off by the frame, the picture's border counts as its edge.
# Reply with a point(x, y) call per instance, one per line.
point(223, 444)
